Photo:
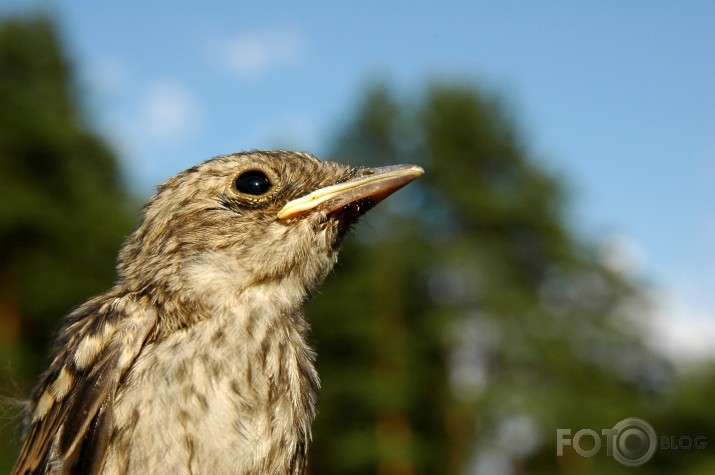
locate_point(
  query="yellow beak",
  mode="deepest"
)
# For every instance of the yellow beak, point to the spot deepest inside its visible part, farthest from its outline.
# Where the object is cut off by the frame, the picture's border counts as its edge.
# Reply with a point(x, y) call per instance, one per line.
point(373, 185)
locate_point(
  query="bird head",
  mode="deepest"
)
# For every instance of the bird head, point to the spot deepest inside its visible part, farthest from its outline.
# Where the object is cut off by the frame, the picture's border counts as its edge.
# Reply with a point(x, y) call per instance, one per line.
point(250, 219)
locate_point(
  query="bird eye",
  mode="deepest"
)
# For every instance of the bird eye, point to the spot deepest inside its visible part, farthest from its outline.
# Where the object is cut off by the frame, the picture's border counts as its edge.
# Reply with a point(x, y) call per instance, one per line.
point(253, 183)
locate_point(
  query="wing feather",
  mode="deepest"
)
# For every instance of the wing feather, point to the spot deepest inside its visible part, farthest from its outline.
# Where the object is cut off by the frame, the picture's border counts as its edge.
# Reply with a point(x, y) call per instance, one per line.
point(72, 408)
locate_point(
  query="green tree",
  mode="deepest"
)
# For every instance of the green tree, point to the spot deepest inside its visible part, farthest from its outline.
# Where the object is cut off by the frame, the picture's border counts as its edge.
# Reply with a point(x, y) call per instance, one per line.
point(63, 213)
point(467, 320)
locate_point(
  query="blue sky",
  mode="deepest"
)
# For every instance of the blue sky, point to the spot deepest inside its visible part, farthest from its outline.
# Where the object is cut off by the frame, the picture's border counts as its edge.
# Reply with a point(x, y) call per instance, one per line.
point(618, 97)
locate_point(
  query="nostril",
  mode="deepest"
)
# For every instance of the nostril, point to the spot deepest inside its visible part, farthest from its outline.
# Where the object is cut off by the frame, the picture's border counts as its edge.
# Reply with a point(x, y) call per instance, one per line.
point(367, 172)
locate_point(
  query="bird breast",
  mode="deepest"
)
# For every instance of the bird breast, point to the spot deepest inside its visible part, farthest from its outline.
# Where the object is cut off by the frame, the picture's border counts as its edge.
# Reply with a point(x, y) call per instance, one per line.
point(240, 382)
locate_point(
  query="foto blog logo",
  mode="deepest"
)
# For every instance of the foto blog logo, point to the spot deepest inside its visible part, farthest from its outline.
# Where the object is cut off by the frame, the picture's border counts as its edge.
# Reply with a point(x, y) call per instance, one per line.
point(631, 442)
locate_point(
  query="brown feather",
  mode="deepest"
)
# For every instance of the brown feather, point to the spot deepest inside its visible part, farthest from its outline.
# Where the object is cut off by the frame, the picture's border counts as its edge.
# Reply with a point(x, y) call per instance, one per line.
point(80, 422)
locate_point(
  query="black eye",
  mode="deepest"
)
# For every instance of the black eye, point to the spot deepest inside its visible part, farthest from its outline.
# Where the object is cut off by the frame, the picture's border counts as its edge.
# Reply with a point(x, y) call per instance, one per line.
point(253, 183)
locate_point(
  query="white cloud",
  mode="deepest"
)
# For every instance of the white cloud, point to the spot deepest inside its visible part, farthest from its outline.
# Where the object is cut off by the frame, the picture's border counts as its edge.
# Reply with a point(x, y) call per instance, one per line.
point(622, 254)
point(254, 54)
point(106, 75)
point(169, 111)
point(681, 325)
point(681, 328)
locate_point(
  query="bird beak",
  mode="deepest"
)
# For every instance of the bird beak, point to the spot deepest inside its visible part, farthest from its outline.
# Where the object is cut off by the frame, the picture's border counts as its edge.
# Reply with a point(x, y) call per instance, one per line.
point(373, 184)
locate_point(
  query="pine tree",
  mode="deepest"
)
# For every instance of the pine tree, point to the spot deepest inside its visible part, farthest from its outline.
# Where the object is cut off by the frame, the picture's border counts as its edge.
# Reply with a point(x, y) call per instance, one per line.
point(63, 213)
point(468, 321)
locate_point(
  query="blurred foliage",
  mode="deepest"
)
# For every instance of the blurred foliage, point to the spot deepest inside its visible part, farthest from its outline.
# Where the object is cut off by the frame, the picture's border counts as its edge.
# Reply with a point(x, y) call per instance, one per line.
point(467, 323)
point(63, 211)
point(466, 326)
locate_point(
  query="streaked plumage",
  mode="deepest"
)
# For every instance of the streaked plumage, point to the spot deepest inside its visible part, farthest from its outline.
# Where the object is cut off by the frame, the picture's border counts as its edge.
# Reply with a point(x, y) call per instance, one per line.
point(197, 360)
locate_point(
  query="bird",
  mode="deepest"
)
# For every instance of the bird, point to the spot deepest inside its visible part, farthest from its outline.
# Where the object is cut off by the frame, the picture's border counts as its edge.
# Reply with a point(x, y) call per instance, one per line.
point(197, 359)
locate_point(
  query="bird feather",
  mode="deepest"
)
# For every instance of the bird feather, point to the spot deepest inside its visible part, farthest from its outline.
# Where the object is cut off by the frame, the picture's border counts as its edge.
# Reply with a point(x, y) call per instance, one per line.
point(72, 434)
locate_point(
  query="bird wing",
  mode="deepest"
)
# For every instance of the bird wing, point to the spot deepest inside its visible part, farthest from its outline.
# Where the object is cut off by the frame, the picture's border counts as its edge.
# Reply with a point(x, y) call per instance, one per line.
point(72, 408)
